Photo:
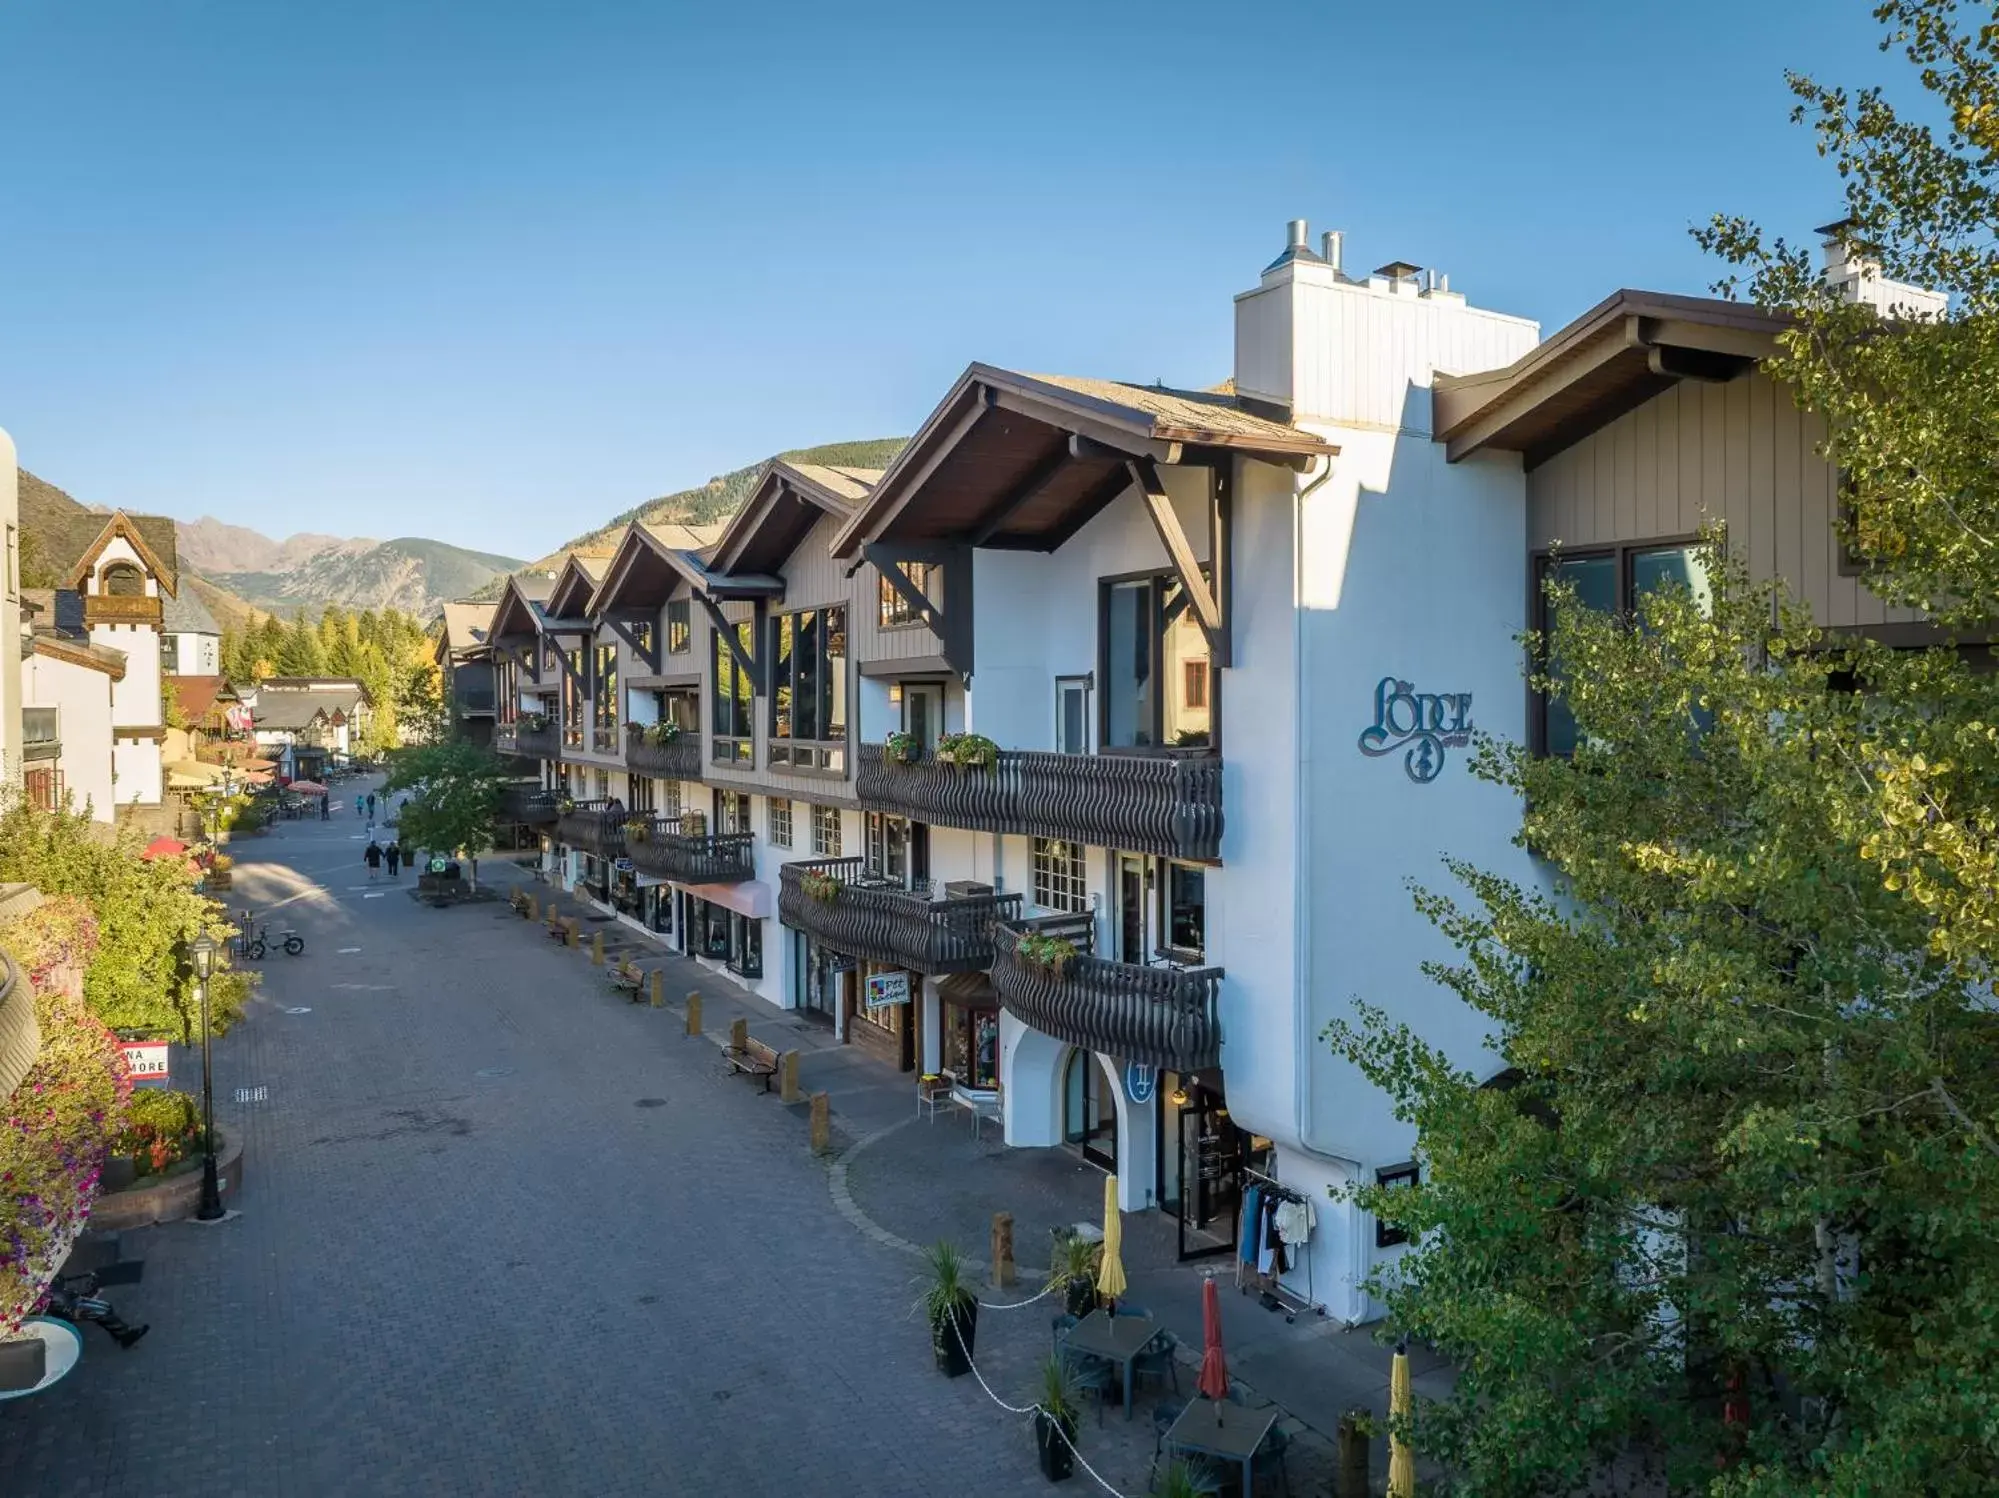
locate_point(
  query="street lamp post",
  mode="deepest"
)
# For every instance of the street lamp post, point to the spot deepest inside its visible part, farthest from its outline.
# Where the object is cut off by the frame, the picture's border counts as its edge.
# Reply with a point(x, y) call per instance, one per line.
point(202, 952)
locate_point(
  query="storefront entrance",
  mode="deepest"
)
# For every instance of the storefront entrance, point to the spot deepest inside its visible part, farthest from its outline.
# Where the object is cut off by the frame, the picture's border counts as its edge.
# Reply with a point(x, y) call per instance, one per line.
point(1089, 1110)
point(820, 978)
point(1201, 1156)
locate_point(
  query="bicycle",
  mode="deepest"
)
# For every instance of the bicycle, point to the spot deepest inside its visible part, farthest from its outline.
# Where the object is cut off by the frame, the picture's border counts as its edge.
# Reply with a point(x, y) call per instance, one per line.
point(254, 943)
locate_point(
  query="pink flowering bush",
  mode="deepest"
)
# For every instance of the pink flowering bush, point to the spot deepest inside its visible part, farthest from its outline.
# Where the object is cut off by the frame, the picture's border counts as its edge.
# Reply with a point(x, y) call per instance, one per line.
point(55, 1125)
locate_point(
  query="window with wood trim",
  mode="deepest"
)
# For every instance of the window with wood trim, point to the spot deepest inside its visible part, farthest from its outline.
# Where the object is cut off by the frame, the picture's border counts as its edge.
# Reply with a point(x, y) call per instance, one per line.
point(572, 698)
point(808, 689)
point(895, 609)
point(780, 822)
point(1060, 880)
point(1157, 688)
point(679, 627)
point(826, 831)
point(733, 718)
point(604, 700)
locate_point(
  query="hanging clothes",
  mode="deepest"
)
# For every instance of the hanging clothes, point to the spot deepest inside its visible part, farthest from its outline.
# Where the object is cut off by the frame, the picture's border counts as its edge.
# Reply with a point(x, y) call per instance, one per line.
point(1247, 1237)
point(1269, 1252)
point(1294, 1222)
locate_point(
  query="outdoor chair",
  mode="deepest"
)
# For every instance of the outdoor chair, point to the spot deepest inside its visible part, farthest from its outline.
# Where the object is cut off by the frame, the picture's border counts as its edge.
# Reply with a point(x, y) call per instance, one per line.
point(1156, 1360)
point(1269, 1459)
point(1164, 1414)
point(1095, 1377)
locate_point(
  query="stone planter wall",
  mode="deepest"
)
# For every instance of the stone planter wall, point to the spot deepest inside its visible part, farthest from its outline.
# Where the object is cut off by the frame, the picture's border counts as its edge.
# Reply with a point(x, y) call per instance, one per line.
point(170, 1198)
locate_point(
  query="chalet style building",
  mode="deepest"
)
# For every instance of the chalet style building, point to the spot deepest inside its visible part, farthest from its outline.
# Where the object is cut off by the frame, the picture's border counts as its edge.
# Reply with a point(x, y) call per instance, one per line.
point(1081, 759)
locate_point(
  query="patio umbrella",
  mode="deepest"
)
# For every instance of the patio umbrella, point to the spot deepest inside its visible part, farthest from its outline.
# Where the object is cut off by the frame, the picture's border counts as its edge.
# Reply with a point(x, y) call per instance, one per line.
point(307, 788)
point(1214, 1380)
point(1401, 1404)
point(164, 847)
point(1110, 1271)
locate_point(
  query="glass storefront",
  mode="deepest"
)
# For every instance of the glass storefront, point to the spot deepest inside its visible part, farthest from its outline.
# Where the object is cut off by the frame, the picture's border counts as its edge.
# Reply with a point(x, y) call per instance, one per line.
point(1089, 1110)
point(971, 1044)
point(1199, 1164)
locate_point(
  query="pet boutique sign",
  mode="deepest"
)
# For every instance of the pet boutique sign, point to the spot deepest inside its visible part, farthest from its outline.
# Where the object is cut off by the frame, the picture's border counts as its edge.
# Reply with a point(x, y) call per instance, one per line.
point(1419, 725)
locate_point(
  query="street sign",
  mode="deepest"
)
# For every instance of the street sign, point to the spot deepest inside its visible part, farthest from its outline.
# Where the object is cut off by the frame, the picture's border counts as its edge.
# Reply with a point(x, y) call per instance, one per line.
point(886, 990)
point(147, 1060)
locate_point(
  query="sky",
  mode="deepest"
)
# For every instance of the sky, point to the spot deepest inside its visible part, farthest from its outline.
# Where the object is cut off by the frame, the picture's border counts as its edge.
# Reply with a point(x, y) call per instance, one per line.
point(494, 272)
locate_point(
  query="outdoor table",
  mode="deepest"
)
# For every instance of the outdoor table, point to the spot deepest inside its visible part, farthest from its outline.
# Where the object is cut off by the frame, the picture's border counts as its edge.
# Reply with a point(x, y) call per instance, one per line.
point(1117, 1339)
point(1233, 1436)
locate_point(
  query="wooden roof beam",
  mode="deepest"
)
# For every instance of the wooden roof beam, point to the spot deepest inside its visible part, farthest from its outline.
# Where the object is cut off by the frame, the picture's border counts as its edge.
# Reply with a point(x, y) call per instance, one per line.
point(1145, 476)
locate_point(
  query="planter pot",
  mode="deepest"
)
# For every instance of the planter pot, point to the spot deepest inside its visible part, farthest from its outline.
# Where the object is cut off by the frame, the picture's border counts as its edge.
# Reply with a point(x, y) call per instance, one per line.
point(954, 1354)
point(169, 1198)
point(225, 879)
point(1080, 1298)
point(119, 1172)
point(1055, 1455)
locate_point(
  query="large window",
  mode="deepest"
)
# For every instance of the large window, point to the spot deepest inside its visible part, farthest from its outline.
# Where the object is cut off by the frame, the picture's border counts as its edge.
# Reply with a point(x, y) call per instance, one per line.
point(1611, 582)
point(732, 811)
point(1059, 882)
point(1186, 910)
point(897, 849)
point(808, 689)
point(668, 803)
point(1158, 689)
point(643, 798)
point(572, 699)
point(170, 653)
point(734, 701)
point(746, 946)
point(780, 822)
point(679, 627)
point(604, 700)
point(971, 1046)
point(826, 831)
point(895, 608)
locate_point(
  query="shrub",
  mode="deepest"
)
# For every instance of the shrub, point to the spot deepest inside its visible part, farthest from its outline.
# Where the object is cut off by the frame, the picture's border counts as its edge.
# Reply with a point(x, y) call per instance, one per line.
point(162, 1128)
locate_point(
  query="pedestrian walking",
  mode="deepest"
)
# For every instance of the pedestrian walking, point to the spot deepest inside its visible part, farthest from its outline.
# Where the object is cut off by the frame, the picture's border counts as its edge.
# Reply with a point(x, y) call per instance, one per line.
point(325, 808)
point(394, 853)
point(374, 858)
point(358, 800)
point(371, 806)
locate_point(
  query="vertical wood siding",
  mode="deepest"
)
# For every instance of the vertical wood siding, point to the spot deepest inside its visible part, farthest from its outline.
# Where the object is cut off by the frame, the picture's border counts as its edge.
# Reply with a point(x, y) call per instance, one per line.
point(1742, 453)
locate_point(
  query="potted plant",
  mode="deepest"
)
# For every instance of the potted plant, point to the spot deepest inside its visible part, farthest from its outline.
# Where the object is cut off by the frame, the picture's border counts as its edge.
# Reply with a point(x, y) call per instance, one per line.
point(952, 1309)
point(1178, 1480)
point(902, 748)
point(1051, 952)
point(1055, 1422)
point(534, 722)
point(968, 751)
point(661, 734)
point(819, 886)
point(1075, 1269)
point(635, 830)
point(219, 875)
point(565, 804)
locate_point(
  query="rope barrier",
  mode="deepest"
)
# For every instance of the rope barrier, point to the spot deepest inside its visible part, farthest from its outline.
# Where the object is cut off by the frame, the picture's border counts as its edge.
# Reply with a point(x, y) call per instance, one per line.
point(1029, 1409)
point(1014, 1305)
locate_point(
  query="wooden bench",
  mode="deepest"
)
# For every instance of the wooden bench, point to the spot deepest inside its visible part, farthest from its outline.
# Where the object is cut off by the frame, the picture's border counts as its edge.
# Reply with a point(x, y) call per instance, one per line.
point(627, 980)
point(752, 1059)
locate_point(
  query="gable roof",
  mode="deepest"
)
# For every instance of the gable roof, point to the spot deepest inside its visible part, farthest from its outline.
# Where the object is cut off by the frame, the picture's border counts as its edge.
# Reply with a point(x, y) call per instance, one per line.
point(786, 501)
point(1009, 459)
point(521, 608)
point(466, 624)
point(1623, 351)
point(287, 711)
point(575, 581)
point(198, 695)
point(64, 529)
point(82, 653)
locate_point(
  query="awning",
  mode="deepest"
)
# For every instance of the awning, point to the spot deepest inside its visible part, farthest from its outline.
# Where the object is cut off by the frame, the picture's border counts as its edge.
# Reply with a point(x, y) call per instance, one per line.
point(968, 990)
point(751, 898)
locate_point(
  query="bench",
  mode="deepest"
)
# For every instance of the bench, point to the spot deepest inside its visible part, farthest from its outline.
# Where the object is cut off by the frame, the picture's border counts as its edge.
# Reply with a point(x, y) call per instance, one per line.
point(752, 1059)
point(628, 980)
point(557, 932)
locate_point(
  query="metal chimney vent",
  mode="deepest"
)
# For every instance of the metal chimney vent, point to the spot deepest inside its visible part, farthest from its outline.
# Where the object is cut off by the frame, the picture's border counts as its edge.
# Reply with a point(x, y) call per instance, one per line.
point(1296, 233)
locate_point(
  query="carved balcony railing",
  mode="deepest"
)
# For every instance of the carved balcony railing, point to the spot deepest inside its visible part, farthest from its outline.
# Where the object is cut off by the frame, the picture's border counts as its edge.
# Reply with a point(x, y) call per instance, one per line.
point(1162, 1015)
point(540, 743)
point(530, 808)
point(679, 760)
point(884, 922)
point(1169, 804)
point(666, 850)
point(120, 608)
point(593, 829)
point(41, 733)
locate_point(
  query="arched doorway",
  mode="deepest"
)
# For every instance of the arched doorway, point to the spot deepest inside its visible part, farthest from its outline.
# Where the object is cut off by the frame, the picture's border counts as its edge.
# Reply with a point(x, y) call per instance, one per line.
point(123, 580)
point(1089, 1110)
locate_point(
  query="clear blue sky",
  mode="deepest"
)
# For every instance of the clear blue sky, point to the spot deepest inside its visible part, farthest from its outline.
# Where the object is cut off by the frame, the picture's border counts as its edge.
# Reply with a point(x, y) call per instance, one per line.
point(492, 272)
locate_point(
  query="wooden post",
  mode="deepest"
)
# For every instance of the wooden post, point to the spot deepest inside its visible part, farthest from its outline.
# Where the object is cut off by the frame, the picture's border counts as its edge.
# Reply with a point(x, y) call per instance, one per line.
point(658, 987)
point(534, 908)
point(822, 1123)
point(739, 1036)
point(1353, 1463)
point(597, 949)
point(694, 1014)
point(1002, 1255)
point(787, 1077)
point(569, 931)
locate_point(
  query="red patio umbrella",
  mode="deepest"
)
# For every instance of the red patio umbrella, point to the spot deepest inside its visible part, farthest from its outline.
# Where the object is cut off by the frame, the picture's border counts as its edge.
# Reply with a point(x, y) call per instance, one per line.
point(164, 847)
point(1214, 1380)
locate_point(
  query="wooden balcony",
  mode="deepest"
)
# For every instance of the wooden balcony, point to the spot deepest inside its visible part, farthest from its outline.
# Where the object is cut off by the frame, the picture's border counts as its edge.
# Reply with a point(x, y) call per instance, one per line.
point(593, 829)
point(666, 852)
point(538, 743)
point(120, 608)
point(1162, 1015)
point(529, 808)
point(1169, 804)
point(884, 922)
point(679, 760)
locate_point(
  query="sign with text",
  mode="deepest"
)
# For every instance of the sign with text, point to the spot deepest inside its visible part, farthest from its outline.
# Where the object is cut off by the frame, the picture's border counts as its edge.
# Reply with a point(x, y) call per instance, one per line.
point(886, 990)
point(1421, 724)
point(148, 1061)
point(1141, 1080)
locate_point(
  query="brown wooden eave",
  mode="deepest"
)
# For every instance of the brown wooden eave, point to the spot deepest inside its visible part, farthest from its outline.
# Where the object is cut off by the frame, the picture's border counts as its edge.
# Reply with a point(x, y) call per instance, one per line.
point(1628, 348)
point(777, 516)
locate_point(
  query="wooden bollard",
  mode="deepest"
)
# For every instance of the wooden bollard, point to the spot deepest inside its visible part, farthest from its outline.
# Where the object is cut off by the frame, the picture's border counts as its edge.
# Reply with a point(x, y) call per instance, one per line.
point(739, 1036)
point(658, 988)
point(569, 930)
point(597, 950)
point(822, 1123)
point(1003, 1271)
point(534, 908)
point(1353, 1458)
point(694, 1014)
point(787, 1077)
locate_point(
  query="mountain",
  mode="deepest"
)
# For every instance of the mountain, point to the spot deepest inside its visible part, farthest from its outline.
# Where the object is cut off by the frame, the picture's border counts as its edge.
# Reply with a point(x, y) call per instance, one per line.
point(213, 547)
point(719, 497)
point(409, 573)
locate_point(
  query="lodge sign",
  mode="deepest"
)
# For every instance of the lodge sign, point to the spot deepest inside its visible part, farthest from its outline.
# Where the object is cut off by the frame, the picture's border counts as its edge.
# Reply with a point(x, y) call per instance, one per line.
point(1420, 724)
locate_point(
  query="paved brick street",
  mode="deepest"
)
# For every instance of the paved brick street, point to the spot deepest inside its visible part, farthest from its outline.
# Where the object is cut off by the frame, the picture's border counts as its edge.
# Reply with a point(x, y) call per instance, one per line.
point(505, 1233)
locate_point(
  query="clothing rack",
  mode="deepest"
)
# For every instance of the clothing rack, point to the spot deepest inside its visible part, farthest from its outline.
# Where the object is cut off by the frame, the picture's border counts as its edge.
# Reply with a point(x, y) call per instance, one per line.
point(1248, 1278)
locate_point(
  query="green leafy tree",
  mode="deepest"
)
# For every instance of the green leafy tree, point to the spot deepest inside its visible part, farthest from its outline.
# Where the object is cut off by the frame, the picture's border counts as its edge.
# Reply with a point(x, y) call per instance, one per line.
point(1741, 1139)
point(299, 653)
point(455, 791)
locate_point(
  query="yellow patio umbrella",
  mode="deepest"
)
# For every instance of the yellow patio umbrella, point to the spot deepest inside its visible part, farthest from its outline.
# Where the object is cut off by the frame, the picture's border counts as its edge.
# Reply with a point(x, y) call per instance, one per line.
point(1401, 1405)
point(1110, 1271)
